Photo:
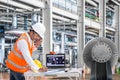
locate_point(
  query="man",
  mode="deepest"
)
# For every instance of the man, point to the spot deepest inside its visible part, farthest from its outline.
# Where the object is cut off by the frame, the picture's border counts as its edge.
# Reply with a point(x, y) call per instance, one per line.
point(19, 59)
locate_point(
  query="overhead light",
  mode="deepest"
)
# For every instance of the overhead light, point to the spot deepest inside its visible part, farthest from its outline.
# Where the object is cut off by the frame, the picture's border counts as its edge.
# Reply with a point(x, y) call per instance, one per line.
point(10, 2)
point(36, 3)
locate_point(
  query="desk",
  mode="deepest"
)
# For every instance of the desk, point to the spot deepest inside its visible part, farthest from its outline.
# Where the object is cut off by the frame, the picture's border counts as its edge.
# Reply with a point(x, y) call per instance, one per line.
point(72, 72)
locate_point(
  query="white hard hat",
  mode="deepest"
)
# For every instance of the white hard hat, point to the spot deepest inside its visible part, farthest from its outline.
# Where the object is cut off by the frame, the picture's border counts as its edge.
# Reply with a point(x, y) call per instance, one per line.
point(39, 28)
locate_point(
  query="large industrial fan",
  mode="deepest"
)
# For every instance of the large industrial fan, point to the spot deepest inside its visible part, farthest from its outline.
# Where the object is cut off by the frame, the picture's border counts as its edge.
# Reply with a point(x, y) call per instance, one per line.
point(100, 55)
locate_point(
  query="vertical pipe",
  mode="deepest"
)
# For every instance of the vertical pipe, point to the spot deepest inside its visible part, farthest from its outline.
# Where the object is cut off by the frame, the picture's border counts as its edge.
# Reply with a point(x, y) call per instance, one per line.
point(14, 21)
point(47, 20)
point(25, 23)
point(117, 26)
point(38, 18)
point(62, 42)
point(80, 31)
point(34, 18)
point(102, 18)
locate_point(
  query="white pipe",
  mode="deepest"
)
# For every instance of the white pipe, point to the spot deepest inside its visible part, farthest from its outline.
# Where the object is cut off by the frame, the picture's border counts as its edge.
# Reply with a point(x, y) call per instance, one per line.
point(8, 21)
point(10, 8)
point(7, 7)
point(10, 2)
point(14, 21)
point(15, 31)
point(36, 3)
point(60, 18)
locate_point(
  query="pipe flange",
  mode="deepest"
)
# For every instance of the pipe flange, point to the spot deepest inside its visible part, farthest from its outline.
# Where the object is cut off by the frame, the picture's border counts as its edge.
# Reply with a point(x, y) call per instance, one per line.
point(101, 52)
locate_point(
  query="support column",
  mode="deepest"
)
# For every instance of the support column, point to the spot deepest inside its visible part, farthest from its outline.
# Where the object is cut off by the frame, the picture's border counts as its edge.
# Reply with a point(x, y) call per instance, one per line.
point(47, 20)
point(14, 21)
point(102, 18)
point(117, 26)
point(80, 31)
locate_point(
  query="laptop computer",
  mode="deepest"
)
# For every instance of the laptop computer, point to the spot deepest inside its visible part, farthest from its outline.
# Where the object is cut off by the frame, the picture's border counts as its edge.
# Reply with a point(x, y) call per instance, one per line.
point(55, 61)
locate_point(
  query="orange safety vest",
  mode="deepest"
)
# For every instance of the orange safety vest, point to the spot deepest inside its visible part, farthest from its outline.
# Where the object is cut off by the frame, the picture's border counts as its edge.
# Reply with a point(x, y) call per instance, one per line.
point(15, 60)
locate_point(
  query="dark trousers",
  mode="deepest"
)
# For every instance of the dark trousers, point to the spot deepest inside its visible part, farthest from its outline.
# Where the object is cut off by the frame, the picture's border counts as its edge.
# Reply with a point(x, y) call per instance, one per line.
point(16, 75)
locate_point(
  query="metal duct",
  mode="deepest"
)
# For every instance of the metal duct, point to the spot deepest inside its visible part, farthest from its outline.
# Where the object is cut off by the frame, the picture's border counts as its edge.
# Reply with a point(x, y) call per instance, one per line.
point(100, 50)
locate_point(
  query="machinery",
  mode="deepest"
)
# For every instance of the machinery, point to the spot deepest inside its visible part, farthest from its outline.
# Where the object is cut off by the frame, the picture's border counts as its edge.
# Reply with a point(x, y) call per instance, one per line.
point(100, 55)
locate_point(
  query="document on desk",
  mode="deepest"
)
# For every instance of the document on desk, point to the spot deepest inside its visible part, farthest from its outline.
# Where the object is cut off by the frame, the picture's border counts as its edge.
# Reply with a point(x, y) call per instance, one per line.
point(77, 70)
point(48, 73)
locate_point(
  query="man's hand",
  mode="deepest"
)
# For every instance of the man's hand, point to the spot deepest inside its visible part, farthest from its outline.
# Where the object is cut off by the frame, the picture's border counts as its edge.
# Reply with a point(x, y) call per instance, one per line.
point(43, 69)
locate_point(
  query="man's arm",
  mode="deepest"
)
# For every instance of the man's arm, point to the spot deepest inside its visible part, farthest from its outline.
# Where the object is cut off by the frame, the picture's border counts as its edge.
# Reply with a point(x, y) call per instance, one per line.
point(23, 47)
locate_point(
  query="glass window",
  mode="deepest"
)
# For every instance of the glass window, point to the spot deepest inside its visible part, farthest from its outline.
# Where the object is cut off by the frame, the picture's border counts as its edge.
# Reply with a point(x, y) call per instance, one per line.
point(73, 1)
point(74, 8)
point(68, 5)
point(62, 4)
point(55, 2)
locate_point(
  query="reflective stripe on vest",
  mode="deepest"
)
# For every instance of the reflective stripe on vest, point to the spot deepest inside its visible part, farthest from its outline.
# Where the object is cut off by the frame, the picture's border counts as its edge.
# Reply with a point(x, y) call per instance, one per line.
point(17, 66)
point(23, 37)
point(17, 54)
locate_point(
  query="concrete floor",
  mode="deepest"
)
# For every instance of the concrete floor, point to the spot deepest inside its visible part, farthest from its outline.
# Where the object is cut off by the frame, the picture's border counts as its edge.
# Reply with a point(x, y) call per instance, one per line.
point(115, 77)
point(5, 76)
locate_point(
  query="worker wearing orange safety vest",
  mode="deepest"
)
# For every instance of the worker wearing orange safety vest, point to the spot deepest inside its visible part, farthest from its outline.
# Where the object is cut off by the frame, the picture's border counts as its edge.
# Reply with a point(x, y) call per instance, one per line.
point(19, 59)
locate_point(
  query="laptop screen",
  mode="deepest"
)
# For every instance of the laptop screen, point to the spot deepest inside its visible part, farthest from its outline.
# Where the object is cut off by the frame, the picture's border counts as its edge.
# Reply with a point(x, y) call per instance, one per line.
point(55, 60)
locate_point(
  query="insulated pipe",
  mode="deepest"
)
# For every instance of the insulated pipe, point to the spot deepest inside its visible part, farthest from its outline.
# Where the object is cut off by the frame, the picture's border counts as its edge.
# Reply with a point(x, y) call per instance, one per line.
point(34, 18)
point(25, 23)
point(38, 18)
